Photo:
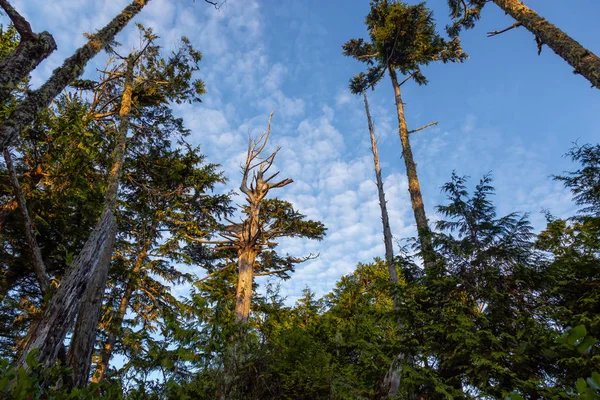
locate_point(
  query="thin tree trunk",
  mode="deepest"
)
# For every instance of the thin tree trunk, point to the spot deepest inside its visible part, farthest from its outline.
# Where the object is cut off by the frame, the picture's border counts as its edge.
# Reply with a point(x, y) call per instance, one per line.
point(38, 262)
point(71, 69)
point(49, 333)
point(116, 325)
point(584, 61)
point(414, 187)
point(30, 52)
point(385, 219)
point(243, 296)
point(391, 381)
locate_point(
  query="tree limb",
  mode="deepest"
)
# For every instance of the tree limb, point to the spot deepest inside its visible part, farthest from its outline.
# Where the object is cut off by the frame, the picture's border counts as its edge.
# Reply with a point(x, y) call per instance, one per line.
point(21, 24)
point(513, 26)
point(423, 127)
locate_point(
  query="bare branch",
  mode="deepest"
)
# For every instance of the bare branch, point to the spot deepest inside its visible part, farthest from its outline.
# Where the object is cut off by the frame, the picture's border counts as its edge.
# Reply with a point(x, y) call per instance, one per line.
point(513, 26)
point(407, 78)
point(281, 184)
point(423, 127)
point(215, 4)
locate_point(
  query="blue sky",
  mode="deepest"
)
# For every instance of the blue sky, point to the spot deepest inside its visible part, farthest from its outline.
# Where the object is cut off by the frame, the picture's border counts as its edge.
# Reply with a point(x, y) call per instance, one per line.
point(505, 110)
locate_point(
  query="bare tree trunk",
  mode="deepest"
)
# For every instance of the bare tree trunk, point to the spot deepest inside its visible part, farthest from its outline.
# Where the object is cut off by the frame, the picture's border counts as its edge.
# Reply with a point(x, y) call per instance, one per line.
point(385, 219)
point(31, 51)
point(391, 381)
point(38, 263)
point(79, 358)
point(414, 187)
point(71, 69)
point(584, 61)
point(48, 334)
point(243, 296)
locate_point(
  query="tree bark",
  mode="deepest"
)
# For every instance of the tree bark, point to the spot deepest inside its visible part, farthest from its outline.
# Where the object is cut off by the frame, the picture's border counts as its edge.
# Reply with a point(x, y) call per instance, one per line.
point(79, 357)
point(243, 296)
point(29, 53)
point(385, 219)
point(38, 262)
point(71, 69)
point(584, 61)
point(414, 187)
point(48, 334)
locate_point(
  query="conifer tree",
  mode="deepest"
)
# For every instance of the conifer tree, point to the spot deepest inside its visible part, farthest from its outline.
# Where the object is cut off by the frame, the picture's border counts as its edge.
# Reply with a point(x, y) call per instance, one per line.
point(403, 38)
point(466, 12)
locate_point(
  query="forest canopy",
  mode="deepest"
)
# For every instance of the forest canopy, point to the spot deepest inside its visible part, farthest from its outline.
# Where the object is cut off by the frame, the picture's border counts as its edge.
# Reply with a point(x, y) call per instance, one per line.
point(208, 200)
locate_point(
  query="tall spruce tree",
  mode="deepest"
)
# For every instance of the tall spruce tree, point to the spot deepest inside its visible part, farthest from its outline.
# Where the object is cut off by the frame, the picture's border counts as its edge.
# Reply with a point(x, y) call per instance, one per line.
point(403, 38)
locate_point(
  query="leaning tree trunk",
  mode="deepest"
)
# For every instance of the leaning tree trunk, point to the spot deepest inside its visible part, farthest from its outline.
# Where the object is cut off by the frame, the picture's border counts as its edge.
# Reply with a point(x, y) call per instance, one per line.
point(48, 334)
point(414, 187)
point(584, 61)
point(385, 219)
point(116, 325)
point(79, 358)
point(84, 338)
point(38, 263)
point(30, 52)
point(71, 69)
point(243, 296)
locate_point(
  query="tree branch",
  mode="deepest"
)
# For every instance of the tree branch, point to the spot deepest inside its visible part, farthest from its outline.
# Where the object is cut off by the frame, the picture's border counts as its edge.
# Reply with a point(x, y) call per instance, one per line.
point(513, 26)
point(407, 78)
point(21, 24)
point(423, 127)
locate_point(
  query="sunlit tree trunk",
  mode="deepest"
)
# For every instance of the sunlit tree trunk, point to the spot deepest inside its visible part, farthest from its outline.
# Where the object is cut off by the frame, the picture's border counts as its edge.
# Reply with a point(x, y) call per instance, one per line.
point(36, 254)
point(385, 219)
point(584, 61)
point(49, 332)
point(414, 187)
point(71, 69)
point(243, 296)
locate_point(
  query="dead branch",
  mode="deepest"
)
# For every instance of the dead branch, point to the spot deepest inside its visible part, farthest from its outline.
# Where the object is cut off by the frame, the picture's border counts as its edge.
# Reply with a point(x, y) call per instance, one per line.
point(513, 26)
point(423, 127)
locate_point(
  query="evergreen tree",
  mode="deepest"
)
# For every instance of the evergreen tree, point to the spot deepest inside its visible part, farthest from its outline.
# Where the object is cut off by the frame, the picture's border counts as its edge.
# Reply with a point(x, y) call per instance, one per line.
point(403, 38)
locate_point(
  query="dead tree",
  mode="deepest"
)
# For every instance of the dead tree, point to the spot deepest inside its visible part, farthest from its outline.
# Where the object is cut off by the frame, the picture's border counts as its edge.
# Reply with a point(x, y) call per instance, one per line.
point(265, 220)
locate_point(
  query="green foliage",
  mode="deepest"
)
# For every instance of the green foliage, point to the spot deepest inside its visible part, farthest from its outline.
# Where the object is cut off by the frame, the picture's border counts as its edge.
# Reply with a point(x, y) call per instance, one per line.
point(402, 37)
point(38, 382)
